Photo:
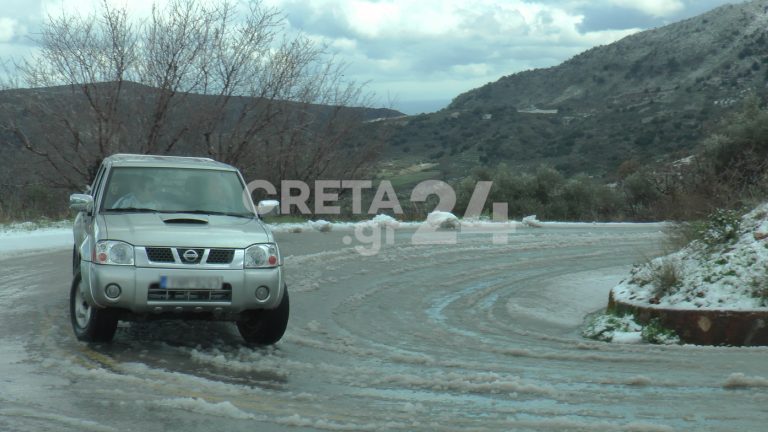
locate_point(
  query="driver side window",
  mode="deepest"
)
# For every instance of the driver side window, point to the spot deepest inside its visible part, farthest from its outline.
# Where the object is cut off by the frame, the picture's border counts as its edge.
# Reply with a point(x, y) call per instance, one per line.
point(94, 189)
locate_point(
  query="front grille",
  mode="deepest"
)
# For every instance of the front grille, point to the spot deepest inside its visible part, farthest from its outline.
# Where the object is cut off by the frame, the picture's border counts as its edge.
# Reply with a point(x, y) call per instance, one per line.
point(160, 254)
point(190, 256)
point(155, 293)
point(220, 256)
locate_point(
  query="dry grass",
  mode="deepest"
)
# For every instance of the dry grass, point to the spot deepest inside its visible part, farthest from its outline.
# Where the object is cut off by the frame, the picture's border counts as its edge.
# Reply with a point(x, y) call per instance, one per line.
point(666, 277)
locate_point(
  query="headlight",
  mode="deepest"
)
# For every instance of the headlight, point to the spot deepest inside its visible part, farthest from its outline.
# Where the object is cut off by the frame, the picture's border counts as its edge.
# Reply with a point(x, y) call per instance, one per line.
point(113, 252)
point(262, 255)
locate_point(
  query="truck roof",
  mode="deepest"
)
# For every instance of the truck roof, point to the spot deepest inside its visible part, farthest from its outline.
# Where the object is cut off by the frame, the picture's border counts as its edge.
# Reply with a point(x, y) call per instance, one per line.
point(142, 160)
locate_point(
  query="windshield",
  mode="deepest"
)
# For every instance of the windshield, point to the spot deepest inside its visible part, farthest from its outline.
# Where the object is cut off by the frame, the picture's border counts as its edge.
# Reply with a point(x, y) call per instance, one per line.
point(174, 190)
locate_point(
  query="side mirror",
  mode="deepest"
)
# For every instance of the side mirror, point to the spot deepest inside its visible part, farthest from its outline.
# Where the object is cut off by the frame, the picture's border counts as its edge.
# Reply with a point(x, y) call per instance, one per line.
point(81, 202)
point(266, 207)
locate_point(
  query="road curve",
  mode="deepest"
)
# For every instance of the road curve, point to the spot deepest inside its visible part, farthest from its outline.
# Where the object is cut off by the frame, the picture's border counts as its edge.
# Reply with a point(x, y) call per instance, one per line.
point(467, 336)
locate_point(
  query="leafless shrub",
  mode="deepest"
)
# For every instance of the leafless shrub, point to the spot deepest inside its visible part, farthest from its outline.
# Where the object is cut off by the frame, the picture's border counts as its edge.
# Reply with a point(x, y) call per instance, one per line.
point(195, 77)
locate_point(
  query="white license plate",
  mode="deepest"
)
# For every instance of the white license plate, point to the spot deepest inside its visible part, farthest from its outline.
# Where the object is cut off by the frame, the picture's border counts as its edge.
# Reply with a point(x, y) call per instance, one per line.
point(181, 282)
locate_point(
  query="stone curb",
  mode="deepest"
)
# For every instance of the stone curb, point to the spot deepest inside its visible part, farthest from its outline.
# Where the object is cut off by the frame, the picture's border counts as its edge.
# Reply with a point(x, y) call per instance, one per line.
point(703, 327)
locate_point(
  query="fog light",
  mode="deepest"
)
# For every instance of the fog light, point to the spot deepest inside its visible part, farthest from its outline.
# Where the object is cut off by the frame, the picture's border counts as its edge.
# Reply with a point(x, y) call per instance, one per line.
point(262, 293)
point(113, 291)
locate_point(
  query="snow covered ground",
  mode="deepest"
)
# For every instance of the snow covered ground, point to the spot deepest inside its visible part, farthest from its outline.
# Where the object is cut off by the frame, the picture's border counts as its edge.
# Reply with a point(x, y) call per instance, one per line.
point(28, 236)
point(720, 274)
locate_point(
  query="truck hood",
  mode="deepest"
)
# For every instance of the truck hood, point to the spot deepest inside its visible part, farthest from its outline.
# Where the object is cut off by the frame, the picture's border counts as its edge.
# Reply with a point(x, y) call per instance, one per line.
point(184, 230)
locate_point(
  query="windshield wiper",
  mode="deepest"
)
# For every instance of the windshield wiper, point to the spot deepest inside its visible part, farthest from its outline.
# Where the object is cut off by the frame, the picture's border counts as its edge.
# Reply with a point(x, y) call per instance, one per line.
point(132, 210)
point(216, 213)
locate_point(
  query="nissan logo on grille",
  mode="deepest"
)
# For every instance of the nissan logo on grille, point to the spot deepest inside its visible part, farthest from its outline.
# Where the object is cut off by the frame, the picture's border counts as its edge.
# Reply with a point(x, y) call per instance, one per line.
point(190, 255)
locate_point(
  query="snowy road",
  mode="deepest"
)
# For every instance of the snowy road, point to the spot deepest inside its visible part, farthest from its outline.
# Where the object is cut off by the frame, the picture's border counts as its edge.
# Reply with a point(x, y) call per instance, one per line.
point(451, 337)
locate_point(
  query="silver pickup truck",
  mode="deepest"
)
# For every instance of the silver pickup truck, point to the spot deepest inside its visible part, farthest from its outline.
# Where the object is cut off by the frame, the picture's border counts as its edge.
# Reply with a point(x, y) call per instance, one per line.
point(163, 237)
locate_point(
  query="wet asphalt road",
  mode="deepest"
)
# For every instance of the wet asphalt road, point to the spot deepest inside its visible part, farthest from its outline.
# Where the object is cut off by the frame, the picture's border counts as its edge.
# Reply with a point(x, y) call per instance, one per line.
point(467, 336)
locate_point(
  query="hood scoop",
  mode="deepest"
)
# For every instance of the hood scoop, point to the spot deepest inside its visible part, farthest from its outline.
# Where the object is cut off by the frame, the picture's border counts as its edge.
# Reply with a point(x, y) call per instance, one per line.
point(193, 220)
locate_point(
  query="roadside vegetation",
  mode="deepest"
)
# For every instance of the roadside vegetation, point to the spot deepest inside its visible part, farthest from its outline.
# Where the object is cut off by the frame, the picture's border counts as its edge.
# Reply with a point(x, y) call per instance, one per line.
point(724, 178)
point(707, 194)
point(623, 328)
point(32, 203)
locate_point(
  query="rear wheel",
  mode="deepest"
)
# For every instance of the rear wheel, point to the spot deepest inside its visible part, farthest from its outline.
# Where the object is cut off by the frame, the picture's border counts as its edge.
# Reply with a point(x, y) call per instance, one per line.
point(266, 326)
point(90, 324)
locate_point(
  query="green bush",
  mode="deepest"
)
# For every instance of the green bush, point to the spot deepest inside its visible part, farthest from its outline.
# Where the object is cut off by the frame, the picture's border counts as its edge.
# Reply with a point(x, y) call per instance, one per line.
point(654, 332)
point(602, 326)
point(759, 287)
point(33, 202)
point(722, 227)
point(546, 193)
point(681, 234)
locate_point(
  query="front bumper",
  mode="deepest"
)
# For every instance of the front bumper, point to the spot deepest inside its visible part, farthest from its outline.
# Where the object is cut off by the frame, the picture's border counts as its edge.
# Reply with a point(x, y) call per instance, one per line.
point(135, 284)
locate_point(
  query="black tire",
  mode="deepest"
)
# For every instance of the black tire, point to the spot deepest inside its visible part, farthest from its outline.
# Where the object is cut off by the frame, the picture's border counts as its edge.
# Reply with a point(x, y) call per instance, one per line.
point(90, 324)
point(266, 326)
point(75, 260)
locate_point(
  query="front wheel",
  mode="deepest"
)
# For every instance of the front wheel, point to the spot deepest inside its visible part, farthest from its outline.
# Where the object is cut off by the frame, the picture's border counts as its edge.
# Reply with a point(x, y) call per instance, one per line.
point(75, 260)
point(90, 324)
point(266, 326)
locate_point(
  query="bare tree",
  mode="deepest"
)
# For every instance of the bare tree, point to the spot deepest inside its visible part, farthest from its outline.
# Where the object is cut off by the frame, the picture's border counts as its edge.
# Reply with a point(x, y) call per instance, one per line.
point(193, 78)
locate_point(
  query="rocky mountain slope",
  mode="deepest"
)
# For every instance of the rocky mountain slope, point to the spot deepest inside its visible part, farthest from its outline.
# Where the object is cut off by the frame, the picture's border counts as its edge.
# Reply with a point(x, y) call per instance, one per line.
point(647, 98)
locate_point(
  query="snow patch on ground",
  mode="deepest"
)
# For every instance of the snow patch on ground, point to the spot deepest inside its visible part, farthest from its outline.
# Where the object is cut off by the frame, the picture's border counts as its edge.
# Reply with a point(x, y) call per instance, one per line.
point(62, 420)
point(385, 220)
point(483, 383)
point(296, 420)
point(632, 337)
point(625, 330)
point(725, 276)
point(739, 380)
point(531, 221)
point(321, 225)
point(202, 406)
point(243, 360)
point(42, 238)
point(441, 219)
point(612, 328)
point(17, 227)
point(445, 220)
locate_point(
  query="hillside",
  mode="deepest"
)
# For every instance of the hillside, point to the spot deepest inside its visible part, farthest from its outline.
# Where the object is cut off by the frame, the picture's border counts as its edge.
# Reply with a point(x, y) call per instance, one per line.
point(647, 98)
point(45, 113)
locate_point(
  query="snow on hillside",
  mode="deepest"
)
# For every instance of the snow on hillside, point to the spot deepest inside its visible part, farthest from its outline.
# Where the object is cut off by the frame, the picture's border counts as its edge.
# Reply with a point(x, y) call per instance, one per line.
point(725, 270)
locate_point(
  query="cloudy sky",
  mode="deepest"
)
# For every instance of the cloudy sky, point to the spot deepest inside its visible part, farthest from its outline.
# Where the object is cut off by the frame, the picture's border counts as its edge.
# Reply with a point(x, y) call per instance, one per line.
point(419, 54)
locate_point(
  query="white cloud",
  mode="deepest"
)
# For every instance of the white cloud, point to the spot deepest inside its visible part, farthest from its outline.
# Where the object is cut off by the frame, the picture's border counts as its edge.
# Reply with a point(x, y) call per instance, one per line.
point(9, 29)
point(373, 20)
point(435, 49)
point(426, 49)
point(656, 8)
point(344, 44)
point(137, 8)
point(472, 70)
